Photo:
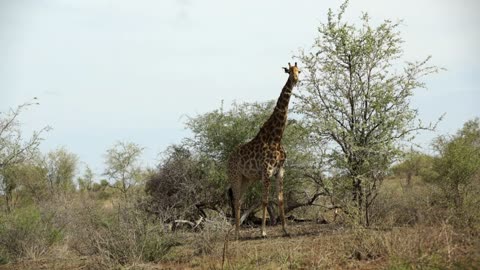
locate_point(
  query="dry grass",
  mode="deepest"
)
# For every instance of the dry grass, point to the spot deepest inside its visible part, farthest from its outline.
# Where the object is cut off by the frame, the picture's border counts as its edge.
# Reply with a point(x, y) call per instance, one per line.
point(325, 247)
point(409, 232)
point(312, 246)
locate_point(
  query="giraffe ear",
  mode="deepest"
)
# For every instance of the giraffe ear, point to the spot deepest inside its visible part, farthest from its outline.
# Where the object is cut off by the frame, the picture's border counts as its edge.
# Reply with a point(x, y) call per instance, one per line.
point(286, 70)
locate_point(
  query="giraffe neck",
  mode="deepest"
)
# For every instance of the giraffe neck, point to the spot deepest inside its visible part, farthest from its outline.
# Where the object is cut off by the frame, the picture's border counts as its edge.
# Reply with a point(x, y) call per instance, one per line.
point(272, 130)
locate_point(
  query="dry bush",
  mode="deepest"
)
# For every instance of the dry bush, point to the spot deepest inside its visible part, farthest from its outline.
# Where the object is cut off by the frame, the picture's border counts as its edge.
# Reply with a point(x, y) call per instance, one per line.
point(123, 235)
point(86, 216)
point(396, 206)
point(212, 233)
point(184, 186)
point(423, 203)
point(468, 215)
point(418, 246)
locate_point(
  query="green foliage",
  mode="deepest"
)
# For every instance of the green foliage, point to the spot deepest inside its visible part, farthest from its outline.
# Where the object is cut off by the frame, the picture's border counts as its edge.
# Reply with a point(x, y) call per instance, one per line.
point(39, 178)
point(456, 169)
point(414, 164)
point(100, 190)
point(27, 232)
point(24, 182)
point(218, 132)
point(61, 166)
point(356, 103)
point(122, 166)
point(85, 183)
point(14, 148)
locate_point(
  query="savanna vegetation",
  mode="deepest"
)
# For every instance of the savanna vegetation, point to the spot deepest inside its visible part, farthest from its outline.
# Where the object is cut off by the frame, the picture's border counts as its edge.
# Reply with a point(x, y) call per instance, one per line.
point(358, 193)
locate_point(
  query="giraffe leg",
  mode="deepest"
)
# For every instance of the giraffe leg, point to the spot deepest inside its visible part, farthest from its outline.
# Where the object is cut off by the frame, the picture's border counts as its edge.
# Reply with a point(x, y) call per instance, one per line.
point(236, 205)
point(266, 188)
point(238, 188)
point(234, 193)
point(281, 209)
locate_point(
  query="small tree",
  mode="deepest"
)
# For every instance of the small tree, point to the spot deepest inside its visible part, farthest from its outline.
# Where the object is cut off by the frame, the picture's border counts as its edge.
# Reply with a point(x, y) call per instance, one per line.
point(85, 183)
point(26, 181)
point(184, 186)
point(218, 132)
point(414, 164)
point(61, 166)
point(457, 167)
point(15, 148)
point(355, 101)
point(122, 166)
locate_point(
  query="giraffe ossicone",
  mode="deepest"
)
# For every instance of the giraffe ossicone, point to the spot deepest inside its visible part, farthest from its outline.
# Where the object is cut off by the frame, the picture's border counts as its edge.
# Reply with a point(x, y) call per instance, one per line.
point(263, 157)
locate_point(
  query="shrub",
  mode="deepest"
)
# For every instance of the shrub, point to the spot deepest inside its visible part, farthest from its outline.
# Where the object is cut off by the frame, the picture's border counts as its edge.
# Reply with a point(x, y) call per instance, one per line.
point(416, 247)
point(182, 187)
point(457, 167)
point(123, 236)
point(27, 233)
point(396, 206)
point(456, 175)
point(212, 233)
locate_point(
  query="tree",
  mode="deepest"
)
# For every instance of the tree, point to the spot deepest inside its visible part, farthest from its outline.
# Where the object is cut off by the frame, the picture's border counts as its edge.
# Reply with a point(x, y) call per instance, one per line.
point(85, 183)
point(356, 103)
point(24, 181)
point(217, 133)
point(413, 164)
point(122, 166)
point(457, 167)
point(184, 186)
point(61, 166)
point(39, 174)
point(14, 148)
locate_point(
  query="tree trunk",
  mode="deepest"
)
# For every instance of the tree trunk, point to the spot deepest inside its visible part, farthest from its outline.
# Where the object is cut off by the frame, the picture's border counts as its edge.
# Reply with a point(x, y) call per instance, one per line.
point(357, 193)
point(409, 180)
point(7, 202)
point(367, 219)
point(457, 196)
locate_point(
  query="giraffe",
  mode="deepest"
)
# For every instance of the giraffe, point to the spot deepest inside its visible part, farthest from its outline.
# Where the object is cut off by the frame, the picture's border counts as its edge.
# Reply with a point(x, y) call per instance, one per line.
point(262, 157)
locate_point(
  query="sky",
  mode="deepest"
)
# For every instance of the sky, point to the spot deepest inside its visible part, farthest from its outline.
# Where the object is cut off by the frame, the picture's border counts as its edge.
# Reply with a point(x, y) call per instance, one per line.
point(108, 71)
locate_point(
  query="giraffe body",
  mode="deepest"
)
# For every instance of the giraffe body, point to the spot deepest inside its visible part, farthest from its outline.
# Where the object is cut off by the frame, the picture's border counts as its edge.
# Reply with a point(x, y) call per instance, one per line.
point(263, 157)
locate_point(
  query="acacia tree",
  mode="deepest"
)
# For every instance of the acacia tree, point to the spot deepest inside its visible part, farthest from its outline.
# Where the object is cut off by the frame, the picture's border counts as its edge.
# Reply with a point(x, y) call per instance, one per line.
point(355, 101)
point(122, 166)
point(218, 132)
point(456, 168)
point(25, 181)
point(85, 182)
point(413, 164)
point(15, 148)
point(61, 166)
point(184, 186)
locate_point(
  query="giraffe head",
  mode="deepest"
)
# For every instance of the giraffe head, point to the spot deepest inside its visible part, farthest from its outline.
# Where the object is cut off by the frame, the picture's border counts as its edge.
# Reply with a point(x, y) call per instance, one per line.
point(293, 71)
